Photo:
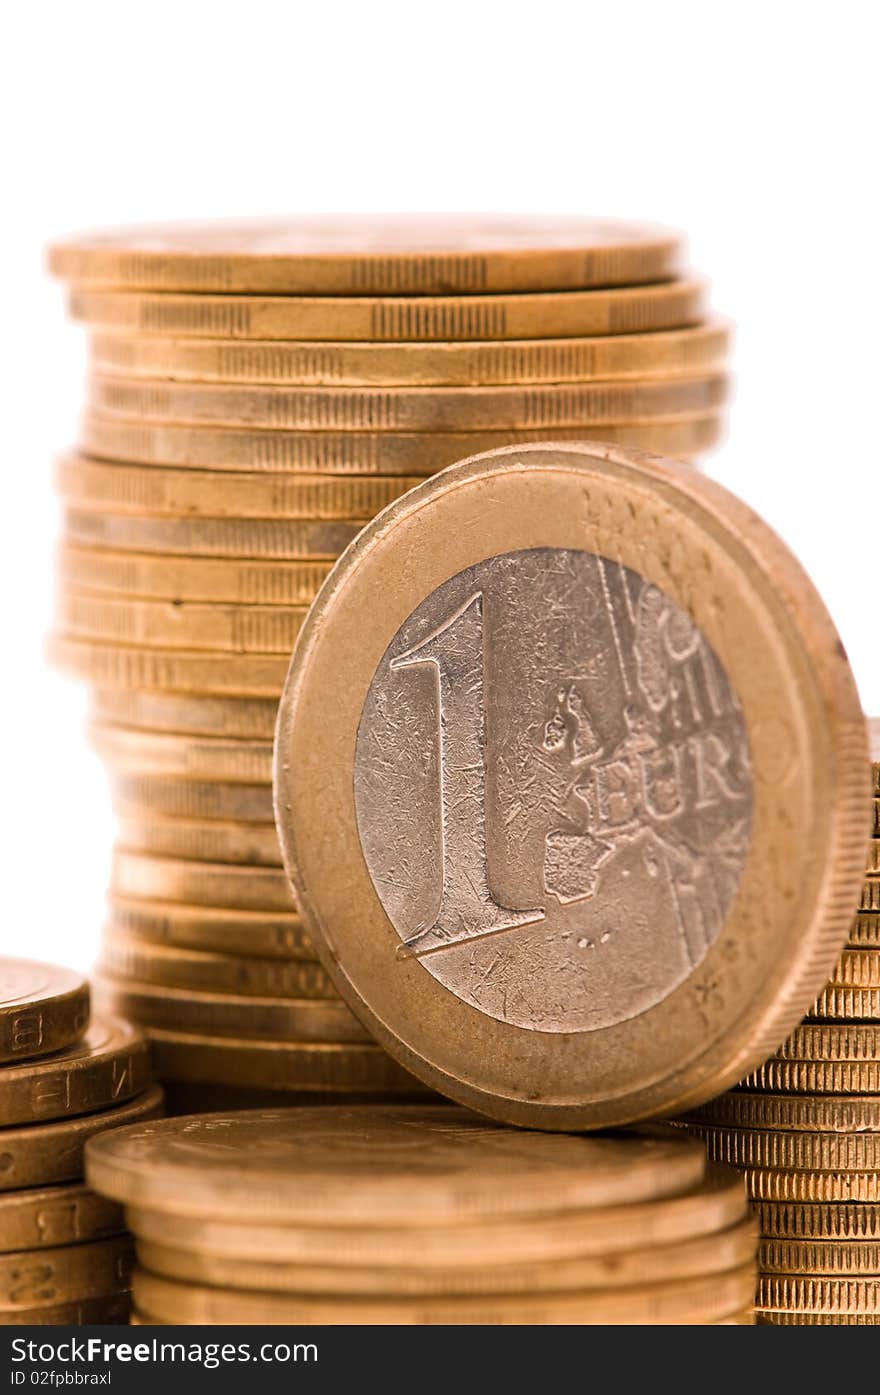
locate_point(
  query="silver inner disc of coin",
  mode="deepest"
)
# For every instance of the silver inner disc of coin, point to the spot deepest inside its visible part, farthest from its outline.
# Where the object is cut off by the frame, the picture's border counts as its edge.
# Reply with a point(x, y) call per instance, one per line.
point(553, 790)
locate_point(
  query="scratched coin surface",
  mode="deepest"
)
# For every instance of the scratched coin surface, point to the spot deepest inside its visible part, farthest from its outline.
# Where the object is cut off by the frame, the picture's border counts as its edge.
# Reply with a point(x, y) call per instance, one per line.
point(561, 762)
point(43, 1008)
point(378, 1164)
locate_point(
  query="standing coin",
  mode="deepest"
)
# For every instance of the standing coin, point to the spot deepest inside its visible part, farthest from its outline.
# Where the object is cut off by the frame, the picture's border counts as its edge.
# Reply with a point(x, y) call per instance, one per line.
point(634, 728)
point(384, 1164)
point(533, 315)
point(357, 254)
point(42, 1008)
point(108, 1066)
point(39, 1154)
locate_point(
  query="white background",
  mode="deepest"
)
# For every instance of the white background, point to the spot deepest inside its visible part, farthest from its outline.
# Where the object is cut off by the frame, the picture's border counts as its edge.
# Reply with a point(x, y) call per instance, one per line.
point(753, 126)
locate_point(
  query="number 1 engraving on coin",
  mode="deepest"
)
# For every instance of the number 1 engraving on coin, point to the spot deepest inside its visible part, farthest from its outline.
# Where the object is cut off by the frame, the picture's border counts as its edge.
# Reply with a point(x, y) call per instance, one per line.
point(553, 789)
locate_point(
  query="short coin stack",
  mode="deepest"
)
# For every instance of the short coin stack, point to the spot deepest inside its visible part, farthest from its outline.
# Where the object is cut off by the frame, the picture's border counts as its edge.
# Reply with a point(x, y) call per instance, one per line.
point(409, 1214)
point(806, 1128)
point(64, 1253)
point(257, 393)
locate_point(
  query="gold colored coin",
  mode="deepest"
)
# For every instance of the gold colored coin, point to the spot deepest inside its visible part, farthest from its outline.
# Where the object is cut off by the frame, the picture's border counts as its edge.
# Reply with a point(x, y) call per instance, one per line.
point(42, 1009)
point(107, 1066)
point(134, 795)
point(123, 957)
point(221, 758)
point(767, 1318)
point(201, 840)
point(533, 315)
point(68, 1274)
point(706, 1255)
point(830, 1257)
point(847, 1005)
point(845, 1041)
point(152, 489)
point(857, 968)
point(816, 1077)
point(700, 348)
point(872, 863)
point(362, 452)
point(865, 930)
point(812, 1113)
point(870, 897)
point(40, 1218)
point(201, 883)
point(573, 405)
point(359, 254)
point(214, 930)
point(715, 1205)
point(192, 716)
point(172, 578)
point(837, 1221)
point(810, 1293)
point(37, 1155)
point(258, 629)
point(246, 540)
point(169, 670)
point(501, 967)
point(300, 1068)
point(792, 1149)
point(772, 1184)
point(112, 1308)
point(380, 1165)
point(874, 742)
point(680, 1301)
point(227, 1014)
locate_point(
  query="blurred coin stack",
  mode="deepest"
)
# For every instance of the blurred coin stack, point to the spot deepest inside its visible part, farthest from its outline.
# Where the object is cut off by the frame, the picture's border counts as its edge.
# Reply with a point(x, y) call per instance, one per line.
point(411, 1214)
point(64, 1254)
point(806, 1128)
point(256, 394)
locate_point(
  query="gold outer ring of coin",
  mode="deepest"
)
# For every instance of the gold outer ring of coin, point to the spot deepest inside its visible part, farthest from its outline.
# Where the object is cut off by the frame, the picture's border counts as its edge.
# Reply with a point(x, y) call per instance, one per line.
point(263, 629)
point(43, 1008)
point(669, 1057)
point(211, 929)
point(42, 1217)
point(817, 1293)
point(661, 353)
point(135, 794)
point(669, 304)
point(850, 1258)
point(685, 1300)
point(66, 1274)
point(200, 840)
point(323, 1068)
point(201, 883)
point(37, 1155)
point(125, 958)
point(108, 1066)
point(812, 1113)
point(367, 452)
point(381, 1164)
point(172, 578)
point(358, 254)
point(198, 758)
point(707, 1255)
point(251, 542)
point(715, 1204)
point(169, 670)
point(238, 719)
point(833, 1221)
point(110, 1308)
point(573, 405)
point(154, 489)
point(791, 1150)
point(227, 1014)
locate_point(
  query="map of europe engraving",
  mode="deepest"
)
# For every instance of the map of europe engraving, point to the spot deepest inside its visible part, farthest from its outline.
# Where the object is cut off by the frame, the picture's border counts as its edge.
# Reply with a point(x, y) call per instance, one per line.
point(553, 790)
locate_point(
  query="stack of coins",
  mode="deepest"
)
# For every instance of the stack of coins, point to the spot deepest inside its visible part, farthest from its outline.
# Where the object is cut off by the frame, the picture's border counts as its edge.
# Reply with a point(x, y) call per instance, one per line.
point(64, 1253)
point(256, 394)
point(423, 1214)
point(806, 1128)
